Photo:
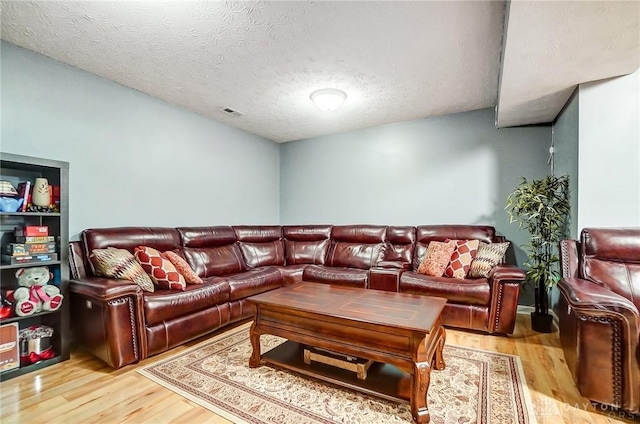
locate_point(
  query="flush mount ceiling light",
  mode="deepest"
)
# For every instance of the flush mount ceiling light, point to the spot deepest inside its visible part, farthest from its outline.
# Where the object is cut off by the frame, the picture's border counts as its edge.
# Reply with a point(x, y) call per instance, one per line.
point(328, 99)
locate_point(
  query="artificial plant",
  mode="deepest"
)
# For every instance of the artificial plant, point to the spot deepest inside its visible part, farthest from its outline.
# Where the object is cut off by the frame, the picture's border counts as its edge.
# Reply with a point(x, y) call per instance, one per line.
point(542, 208)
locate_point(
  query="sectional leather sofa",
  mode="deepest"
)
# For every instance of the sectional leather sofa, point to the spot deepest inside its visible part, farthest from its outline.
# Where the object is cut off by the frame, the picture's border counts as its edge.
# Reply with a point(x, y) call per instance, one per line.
point(121, 324)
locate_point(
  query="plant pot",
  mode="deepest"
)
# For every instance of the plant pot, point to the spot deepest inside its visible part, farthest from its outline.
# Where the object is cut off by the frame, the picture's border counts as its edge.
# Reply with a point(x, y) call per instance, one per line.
point(542, 323)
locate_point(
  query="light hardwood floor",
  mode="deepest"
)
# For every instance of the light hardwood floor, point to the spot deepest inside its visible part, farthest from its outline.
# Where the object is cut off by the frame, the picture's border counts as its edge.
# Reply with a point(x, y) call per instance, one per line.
point(84, 390)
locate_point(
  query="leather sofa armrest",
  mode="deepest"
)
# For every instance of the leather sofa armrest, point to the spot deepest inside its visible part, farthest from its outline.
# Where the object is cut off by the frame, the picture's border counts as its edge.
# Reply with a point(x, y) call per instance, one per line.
point(505, 281)
point(598, 326)
point(109, 319)
point(587, 296)
point(104, 289)
point(394, 265)
point(504, 272)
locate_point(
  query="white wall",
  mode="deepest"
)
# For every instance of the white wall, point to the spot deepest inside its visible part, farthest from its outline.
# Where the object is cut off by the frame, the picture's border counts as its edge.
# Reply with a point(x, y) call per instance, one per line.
point(565, 140)
point(134, 159)
point(454, 169)
point(609, 154)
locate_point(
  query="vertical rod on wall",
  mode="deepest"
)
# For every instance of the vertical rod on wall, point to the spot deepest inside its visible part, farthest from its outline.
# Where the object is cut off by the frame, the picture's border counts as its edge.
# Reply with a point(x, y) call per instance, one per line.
point(551, 160)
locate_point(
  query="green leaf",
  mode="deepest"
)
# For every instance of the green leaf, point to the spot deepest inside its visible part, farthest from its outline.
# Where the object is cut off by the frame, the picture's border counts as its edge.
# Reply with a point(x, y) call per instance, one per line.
point(542, 208)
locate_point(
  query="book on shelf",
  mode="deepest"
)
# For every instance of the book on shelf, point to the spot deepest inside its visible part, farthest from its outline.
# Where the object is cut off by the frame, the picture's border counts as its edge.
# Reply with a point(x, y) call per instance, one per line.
point(31, 231)
point(37, 239)
point(9, 347)
point(22, 249)
point(29, 259)
point(24, 194)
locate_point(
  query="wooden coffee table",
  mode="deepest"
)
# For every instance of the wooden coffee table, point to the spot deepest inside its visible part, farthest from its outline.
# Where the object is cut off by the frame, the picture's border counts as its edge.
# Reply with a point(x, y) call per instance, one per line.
point(403, 333)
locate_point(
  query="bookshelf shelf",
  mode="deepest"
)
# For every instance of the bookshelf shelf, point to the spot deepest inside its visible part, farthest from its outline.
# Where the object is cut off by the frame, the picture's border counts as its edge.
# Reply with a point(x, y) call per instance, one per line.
point(16, 266)
point(16, 319)
point(20, 169)
point(38, 214)
point(6, 375)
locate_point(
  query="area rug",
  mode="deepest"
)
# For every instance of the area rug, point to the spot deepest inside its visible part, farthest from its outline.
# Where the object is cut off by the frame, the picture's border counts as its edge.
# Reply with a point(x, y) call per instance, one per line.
point(475, 387)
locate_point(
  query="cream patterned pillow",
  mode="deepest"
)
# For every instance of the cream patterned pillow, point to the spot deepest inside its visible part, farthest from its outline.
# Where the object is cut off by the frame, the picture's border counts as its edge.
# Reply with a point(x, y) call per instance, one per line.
point(437, 258)
point(488, 256)
point(120, 263)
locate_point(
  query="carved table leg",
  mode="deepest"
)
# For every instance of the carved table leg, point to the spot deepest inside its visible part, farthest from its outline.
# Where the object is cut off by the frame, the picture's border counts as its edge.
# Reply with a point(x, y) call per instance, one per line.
point(254, 337)
point(438, 360)
point(420, 386)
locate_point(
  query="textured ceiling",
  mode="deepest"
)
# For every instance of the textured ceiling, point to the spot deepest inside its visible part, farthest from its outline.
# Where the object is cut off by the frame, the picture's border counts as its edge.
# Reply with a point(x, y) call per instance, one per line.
point(573, 43)
point(396, 60)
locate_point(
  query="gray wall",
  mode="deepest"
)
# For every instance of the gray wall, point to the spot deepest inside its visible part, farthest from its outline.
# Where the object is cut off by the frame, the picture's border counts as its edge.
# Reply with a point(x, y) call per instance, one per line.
point(134, 159)
point(450, 169)
point(565, 140)
point(609, 156)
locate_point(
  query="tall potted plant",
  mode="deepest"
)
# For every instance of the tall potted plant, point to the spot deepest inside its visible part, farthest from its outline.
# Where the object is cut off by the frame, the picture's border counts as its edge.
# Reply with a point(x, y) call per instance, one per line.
point(542, 208)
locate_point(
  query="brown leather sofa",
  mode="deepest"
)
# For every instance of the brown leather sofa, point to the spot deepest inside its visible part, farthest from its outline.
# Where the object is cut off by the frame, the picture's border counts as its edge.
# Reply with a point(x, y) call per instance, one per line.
point(598, 314)
point(121, 324)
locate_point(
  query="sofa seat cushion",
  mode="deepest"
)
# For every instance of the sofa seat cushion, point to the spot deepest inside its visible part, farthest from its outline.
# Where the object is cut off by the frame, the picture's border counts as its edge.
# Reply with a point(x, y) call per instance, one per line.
point(469, 291)
point(252, 282)
point(165, 305)
point(338, 276)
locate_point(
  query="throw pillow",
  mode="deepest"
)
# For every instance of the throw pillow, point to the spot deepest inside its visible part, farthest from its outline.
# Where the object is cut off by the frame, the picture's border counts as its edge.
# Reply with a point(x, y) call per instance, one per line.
point(437, 258)
point(183, 267)
point(488, 256)
point(461, 258)
point(120, 263)
point(161, 271)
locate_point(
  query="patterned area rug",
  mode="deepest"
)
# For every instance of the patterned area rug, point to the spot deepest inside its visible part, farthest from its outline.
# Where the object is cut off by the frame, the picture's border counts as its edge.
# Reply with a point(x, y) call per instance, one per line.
point(475, 387)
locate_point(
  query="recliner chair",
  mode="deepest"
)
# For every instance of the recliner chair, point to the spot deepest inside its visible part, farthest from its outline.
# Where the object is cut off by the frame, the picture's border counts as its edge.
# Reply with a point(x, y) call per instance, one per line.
point(598, 314)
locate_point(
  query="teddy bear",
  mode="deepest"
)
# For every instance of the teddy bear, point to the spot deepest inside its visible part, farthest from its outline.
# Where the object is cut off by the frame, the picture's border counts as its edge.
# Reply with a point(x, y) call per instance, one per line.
point(34, 294)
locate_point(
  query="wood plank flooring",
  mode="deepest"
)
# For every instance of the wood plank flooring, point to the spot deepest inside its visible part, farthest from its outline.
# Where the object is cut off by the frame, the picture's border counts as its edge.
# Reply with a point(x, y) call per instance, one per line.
point(84, 390)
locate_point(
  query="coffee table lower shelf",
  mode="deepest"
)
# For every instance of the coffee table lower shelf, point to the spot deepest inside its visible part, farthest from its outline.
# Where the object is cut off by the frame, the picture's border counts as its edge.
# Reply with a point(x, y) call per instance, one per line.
point(383, 380)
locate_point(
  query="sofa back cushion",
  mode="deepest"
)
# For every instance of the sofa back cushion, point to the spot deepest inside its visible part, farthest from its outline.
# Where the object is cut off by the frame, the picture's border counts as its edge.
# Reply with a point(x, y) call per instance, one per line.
point(306, 244)
point(260, 245)
point(400, 244)
point(128, 238)
point(428, 233)
point(212, 250)
point(357, 246)
point(611, 257)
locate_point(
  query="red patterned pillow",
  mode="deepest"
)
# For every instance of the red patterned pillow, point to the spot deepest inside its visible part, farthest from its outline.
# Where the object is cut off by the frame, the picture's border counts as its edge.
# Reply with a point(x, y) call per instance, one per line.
point(183, 267)
point(461, 258)
point(161, 271)
point(437, 258)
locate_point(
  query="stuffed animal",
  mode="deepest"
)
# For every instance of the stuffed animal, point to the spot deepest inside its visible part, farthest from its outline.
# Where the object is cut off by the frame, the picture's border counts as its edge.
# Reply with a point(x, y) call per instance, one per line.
point(34, 294)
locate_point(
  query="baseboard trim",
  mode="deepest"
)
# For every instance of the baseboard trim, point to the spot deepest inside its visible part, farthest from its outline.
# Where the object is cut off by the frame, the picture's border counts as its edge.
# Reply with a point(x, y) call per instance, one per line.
point(526, 309)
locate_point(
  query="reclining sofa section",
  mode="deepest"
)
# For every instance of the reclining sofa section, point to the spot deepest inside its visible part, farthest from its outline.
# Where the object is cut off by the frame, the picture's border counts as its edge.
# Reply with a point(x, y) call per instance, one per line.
point(122, 324)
